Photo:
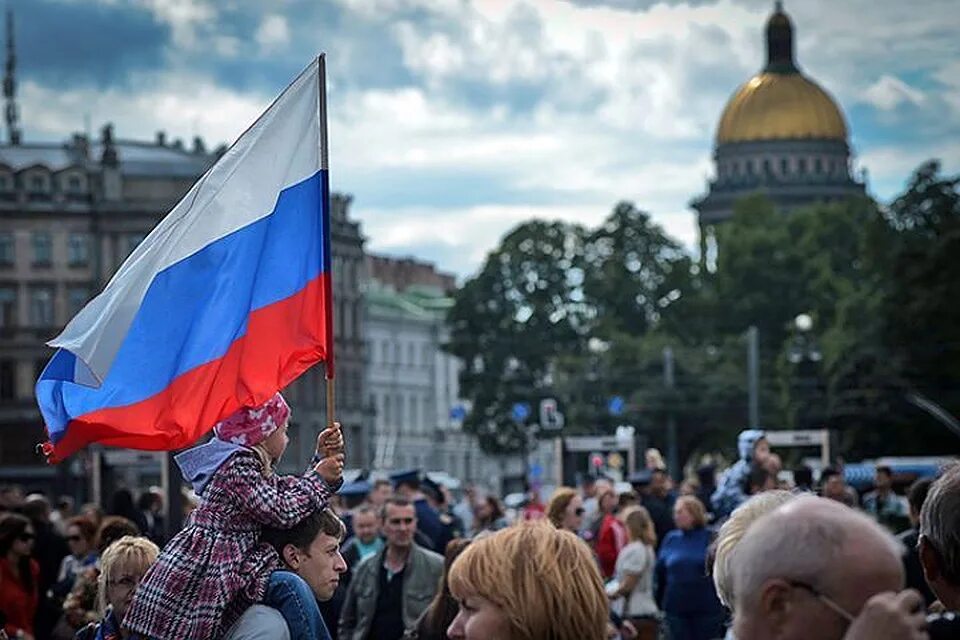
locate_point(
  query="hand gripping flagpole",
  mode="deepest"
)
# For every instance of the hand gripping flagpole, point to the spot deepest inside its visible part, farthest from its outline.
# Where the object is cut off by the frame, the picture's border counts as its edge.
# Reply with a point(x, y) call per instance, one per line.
point(328, 289)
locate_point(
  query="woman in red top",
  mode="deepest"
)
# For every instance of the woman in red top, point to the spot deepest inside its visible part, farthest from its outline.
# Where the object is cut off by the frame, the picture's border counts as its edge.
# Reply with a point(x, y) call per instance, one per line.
point(612, 535)
point(18, 575)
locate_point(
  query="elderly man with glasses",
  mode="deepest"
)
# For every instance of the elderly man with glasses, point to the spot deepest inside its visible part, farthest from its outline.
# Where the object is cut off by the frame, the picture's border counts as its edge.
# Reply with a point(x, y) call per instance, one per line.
point(940, 547)
point(814, 569)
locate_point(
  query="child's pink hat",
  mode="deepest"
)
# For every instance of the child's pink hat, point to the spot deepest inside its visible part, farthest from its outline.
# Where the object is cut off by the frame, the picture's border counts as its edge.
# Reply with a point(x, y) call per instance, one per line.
point(250, 426)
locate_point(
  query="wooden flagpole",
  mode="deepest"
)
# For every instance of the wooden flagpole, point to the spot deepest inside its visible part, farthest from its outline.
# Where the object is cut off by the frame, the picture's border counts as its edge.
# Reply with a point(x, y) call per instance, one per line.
point(328, 232)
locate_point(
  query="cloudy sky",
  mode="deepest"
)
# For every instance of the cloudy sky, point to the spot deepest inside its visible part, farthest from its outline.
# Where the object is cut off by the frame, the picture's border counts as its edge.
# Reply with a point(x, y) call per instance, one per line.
point(453, 120)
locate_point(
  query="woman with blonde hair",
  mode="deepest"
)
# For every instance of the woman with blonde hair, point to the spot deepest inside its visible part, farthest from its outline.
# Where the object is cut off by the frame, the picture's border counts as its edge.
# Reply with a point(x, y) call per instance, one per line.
point(122, 566)
point(527, 582)
point(565, 509)
point(632, 588)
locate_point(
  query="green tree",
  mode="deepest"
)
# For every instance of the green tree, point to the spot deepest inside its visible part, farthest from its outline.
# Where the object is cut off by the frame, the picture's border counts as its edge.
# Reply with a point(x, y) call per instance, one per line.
point(633, 272)
point(512, 320)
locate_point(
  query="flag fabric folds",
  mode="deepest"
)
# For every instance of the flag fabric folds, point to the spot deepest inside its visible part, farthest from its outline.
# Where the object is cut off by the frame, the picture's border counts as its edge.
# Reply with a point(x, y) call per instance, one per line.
point(224, 303)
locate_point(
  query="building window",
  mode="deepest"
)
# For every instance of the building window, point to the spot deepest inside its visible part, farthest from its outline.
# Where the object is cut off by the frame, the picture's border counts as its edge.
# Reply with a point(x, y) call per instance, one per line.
point(41, 306)
point(397, 353)
point(767, 168)
point(8, 379)
point(7, 249)
point(802, 166)
point(411, 355)
point(426, 355)
point(37, 184)
point(77, 297)
point(42, 249)
point(818, 166)
point(74, 185)
point(6, 184)
point(8, 307)
point(784, 166)
point(78, 249)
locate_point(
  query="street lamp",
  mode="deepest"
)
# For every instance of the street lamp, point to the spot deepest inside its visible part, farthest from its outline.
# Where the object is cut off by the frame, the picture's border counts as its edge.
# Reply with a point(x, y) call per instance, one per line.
point(805, 355)
point(804, 346)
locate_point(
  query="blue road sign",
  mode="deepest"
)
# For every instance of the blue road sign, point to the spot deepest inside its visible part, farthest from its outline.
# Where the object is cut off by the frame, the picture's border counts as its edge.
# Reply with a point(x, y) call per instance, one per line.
point(536, 470)
point(458, 412)
point(616, 405)
point(520, 411)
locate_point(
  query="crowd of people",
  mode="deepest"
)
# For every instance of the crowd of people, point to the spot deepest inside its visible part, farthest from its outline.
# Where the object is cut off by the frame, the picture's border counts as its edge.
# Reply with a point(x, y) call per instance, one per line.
point(748, 555)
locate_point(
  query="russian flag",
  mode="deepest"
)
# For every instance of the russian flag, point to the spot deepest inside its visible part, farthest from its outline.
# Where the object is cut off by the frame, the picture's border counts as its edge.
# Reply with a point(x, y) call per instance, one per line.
point(225, 302)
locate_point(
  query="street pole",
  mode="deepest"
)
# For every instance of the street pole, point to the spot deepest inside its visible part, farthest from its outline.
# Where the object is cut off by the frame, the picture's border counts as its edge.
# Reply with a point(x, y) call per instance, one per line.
point(753, 375)
point(668, 381)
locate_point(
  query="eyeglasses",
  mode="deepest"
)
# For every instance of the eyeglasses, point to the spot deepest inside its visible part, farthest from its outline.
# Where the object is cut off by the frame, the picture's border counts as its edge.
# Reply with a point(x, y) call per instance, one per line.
point(827, 600)
point(127, 583)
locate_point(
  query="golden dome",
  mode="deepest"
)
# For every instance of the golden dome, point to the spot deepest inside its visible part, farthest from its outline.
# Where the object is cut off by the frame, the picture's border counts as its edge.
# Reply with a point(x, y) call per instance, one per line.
point(780, 103)
point(780, 106)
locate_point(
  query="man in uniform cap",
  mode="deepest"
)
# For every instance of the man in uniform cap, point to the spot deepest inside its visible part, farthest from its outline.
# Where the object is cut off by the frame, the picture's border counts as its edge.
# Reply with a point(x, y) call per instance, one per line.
point(406, 484)
point(451, 525)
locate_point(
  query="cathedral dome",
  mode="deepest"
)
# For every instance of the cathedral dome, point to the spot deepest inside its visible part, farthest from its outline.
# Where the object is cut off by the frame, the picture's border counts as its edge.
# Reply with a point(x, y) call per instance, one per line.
point(780, 103)
point(780, 106)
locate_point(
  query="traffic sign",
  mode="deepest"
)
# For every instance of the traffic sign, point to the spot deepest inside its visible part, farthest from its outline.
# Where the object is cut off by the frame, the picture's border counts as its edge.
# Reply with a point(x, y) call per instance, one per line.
point(520, 411)
point(550, 418)
point(616, 405)
point(458, 412)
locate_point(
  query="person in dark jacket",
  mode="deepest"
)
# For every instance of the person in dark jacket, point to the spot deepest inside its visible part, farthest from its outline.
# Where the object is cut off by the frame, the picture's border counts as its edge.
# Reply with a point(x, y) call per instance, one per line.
point(49, 550)
point(686, 594)
point(659, 500)
point(910, 538)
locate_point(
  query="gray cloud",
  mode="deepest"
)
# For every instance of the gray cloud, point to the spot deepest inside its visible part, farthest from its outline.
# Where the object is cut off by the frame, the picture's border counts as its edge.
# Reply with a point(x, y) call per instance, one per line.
point(72, 44)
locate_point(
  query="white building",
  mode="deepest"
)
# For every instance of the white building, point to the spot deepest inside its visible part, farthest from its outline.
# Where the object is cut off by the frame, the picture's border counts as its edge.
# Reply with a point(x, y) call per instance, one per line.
point(411, 382)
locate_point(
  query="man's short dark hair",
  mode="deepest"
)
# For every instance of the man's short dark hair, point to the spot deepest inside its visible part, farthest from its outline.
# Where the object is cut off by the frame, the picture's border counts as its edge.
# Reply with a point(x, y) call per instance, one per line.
point(382, 481)
point(884, 469)
point(365, 509)
point(803, 476)
point(756, 479)
point(395, 501)
point(302, 534)
point(112, 528)
point(147, 499)
point(917, 493)
point(828, 473)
